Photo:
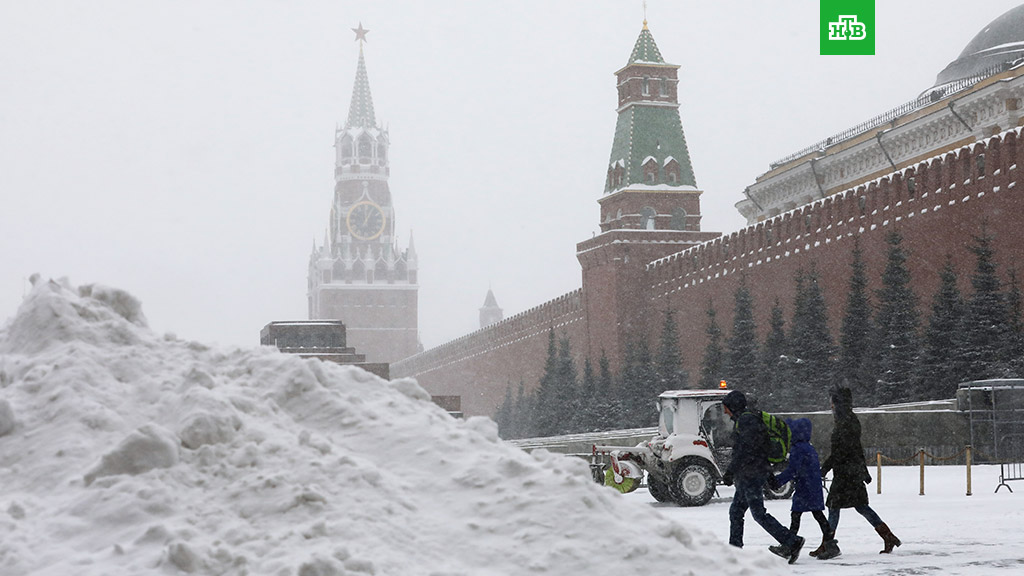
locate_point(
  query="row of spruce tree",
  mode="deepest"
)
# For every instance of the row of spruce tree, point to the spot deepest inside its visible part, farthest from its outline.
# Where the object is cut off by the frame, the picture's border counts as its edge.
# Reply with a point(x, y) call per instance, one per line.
point(885, 353)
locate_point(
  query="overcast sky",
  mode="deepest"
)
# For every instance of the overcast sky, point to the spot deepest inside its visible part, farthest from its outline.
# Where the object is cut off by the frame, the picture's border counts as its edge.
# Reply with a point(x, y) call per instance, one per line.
point(183, 150)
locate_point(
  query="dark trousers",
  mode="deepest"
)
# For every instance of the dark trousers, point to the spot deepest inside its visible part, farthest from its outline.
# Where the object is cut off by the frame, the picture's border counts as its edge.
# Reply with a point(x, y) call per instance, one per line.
point(870, 515)
point(750, 495)
point(819, 516)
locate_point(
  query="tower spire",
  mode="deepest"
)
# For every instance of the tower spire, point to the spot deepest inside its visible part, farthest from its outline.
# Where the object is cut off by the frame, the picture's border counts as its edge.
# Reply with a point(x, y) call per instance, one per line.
point(360, 111)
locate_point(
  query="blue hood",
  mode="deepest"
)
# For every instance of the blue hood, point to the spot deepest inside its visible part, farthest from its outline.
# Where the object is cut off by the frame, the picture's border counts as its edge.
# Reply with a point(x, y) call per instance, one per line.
point(800, 429)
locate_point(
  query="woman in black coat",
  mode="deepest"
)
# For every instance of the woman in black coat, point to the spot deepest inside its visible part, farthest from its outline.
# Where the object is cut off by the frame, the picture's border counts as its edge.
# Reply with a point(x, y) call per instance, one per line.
point(849, 470)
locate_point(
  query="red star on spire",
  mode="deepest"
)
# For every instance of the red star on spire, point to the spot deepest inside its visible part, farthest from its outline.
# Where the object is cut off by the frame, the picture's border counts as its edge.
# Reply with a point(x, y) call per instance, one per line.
point(361, 33)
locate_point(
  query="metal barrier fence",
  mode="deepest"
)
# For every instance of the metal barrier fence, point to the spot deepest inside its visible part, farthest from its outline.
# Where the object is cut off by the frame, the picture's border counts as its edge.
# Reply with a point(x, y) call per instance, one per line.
point(1008, 472)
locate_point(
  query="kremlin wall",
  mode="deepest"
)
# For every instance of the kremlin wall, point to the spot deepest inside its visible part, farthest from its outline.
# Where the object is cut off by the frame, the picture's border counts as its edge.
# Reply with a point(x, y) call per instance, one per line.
point(951, 202)
point(949, 173)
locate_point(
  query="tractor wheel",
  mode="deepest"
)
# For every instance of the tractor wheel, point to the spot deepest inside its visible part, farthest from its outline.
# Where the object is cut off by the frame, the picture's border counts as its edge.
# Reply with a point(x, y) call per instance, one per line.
point(783, 492)
point(693, 485)
point(659, 488)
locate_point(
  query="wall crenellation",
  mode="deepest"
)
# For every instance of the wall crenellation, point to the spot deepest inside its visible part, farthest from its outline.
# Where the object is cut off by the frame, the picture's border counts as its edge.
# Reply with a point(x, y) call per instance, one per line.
point(556, 313)
point(887, 200)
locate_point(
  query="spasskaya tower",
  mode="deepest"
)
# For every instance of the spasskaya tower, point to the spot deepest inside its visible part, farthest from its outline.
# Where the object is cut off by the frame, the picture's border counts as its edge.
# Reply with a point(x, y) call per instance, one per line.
point(359, 275)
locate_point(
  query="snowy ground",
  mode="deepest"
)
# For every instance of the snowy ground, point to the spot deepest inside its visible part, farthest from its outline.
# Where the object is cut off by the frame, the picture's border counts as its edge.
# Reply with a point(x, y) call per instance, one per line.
point(944, 532)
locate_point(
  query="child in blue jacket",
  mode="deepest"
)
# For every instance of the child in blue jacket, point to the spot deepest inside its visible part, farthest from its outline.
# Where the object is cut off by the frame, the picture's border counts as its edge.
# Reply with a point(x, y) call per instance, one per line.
point(804, 471)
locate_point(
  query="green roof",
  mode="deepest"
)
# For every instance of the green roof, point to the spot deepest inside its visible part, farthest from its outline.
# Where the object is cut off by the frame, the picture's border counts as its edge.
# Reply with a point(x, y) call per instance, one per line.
point(655, 131)
point(645, 50)
point(360, 111)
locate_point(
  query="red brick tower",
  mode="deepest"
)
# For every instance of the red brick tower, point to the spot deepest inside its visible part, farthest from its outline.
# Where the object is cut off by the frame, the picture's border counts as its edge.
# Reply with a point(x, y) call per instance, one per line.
point(650, 207)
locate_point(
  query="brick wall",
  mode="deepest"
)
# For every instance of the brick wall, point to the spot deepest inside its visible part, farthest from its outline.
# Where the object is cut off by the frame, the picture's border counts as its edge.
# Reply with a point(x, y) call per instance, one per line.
point(951, 197)
point(480, 366)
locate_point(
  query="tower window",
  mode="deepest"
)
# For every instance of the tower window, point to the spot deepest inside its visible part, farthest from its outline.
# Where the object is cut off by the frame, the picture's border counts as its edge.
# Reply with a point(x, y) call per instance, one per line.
point(365, 149)
point(650, 171)
point(678, 221)
point(647, 218)
point(672, 171)
point(646, 87)
point(663, 87)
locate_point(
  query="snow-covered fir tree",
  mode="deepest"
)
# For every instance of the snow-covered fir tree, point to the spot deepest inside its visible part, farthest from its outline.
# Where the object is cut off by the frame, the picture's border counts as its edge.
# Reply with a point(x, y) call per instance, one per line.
point(741, 357)
point(985, 323)
point(546, 411)
point(713, 362)
point(669, 363)
point(897, 327)
point(639, 386)
point(942, 366)
point(566, 396)
point(811, 365)
point(774, 360)
point(1015, 329)
point(856, 361)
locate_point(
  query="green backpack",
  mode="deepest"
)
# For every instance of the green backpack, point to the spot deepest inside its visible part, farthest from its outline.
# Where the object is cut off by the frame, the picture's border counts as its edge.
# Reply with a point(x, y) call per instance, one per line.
point(779, 437)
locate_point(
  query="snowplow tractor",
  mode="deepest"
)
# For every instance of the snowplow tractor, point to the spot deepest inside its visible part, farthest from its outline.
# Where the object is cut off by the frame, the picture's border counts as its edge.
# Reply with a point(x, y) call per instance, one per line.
point(684, 461)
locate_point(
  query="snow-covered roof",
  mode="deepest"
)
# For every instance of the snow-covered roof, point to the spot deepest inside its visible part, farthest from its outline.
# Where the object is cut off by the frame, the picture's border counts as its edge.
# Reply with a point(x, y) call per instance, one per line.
point(713, 394)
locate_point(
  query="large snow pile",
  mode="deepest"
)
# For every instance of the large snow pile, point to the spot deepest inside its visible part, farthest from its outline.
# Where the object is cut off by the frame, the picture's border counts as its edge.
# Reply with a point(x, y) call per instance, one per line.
point(123, 452)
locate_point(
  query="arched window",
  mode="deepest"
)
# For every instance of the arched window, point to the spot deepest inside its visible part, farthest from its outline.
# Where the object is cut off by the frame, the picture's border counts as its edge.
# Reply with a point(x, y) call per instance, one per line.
point(663, 87)
point(346, 149)
point(678, 221)
point(382, 152)
point(365, 149)
point(358, 272)
point(339, 271)
point(646, 87)
point(647, 218)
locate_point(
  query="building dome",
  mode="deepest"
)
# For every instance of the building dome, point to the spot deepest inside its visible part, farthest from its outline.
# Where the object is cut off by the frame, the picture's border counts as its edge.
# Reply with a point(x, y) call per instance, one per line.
point(999, 42)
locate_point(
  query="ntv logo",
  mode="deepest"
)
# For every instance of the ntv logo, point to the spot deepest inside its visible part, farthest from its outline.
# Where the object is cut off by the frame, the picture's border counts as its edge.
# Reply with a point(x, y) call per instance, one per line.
point(847, 28)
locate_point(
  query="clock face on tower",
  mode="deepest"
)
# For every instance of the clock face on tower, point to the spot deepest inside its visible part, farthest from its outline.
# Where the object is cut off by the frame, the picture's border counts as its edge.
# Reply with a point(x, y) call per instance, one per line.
point(365, 220)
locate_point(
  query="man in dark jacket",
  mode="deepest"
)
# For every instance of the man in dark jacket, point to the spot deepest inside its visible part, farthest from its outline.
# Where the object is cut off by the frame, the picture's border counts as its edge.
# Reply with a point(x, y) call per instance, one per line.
point(749, 470)
point(849, 470)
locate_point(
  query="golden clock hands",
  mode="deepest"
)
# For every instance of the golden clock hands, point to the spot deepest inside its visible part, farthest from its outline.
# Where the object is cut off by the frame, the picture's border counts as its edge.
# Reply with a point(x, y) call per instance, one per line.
point(366, 220)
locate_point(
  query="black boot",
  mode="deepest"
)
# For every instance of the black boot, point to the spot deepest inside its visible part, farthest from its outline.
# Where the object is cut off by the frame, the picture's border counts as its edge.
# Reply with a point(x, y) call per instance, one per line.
point(794, 549)
point(831, 550)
